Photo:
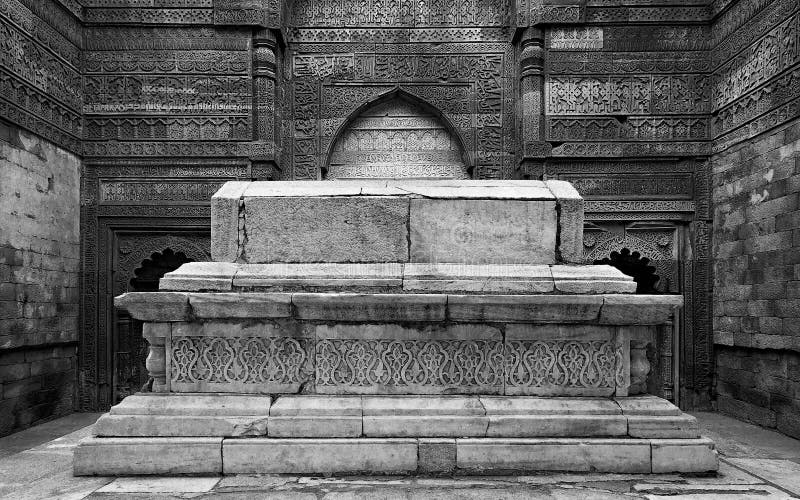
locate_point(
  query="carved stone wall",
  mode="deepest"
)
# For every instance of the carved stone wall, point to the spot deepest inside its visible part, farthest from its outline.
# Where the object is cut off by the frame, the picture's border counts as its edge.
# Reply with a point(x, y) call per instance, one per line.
point(455, 57)
point(165, 101)
point(756, 93)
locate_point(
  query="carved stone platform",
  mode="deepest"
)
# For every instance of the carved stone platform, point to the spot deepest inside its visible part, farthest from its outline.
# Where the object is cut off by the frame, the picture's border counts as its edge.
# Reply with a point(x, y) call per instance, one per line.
point(396, 327)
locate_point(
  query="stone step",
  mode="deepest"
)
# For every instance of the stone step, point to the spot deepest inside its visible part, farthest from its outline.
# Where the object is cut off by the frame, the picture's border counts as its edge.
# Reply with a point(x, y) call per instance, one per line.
point(173, 456)
point(395, 277)
point(317, 416)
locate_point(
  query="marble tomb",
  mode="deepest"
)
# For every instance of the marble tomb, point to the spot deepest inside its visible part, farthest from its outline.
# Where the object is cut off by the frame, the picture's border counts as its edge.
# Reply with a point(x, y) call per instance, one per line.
point(396, 327)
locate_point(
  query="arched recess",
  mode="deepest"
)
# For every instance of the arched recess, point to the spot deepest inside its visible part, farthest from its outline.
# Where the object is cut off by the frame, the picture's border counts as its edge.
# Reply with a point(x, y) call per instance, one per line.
point(635, 265)
point(397, 135)
point(143, 261)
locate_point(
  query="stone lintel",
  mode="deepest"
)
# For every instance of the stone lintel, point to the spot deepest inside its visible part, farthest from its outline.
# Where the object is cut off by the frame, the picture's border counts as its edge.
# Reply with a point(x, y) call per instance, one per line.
point(639, 309)
point(394, 277)
point(361, 307)
point(150, 306)
point(200, 276)
point(524, 308)
point(241, 305)
point(604, 309)
point(320, 276)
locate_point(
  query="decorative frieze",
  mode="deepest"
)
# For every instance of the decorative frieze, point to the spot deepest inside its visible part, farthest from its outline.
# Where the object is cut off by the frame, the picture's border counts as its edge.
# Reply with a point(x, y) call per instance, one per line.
point(392, 13)
point(776, 51)
point(655, 128)
point(628, 95)
point(583, 38)
point(154, 192)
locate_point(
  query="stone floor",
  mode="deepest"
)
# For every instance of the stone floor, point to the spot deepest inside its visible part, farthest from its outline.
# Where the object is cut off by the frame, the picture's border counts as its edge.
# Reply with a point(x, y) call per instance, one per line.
point(755, 463)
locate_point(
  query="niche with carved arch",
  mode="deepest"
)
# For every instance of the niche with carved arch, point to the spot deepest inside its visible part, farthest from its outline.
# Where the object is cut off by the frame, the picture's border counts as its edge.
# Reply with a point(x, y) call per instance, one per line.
point(130, 348)
point(635, 265)
point(397, 136)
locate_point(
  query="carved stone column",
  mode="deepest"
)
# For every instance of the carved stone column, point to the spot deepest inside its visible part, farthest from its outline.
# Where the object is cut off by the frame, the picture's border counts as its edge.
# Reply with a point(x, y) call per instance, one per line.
point(156, 362)
point(265, 154)
point(641, 337)
point(531, 101)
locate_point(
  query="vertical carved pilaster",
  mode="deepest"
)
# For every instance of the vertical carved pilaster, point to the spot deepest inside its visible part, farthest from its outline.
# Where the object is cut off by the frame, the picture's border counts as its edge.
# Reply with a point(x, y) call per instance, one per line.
point(266, 147)
point(531, 102)
point(156, 362)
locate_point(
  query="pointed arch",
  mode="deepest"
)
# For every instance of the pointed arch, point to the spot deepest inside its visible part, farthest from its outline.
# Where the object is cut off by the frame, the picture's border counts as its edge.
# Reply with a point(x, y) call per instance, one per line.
point(456, 156)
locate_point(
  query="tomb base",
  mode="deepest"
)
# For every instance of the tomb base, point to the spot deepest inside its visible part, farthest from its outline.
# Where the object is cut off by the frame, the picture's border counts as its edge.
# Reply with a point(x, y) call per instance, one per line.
point(396, 328)
point(314, 434)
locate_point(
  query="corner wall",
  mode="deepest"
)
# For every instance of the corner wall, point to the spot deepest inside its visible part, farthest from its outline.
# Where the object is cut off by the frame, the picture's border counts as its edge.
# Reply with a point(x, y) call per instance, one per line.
point(39, 266)
point(756, 195)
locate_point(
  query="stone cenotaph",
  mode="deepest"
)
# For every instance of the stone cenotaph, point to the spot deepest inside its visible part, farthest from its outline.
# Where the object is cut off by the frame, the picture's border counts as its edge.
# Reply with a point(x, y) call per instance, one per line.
point(396, 327)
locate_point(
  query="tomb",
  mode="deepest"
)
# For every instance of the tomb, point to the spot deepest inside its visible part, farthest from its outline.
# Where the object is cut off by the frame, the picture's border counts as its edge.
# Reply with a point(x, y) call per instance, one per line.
point(396, 327)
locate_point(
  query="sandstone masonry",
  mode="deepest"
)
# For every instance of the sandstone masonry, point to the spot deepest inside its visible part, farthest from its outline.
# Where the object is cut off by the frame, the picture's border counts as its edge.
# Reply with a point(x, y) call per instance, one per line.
point(757, 279)
point(39, 266)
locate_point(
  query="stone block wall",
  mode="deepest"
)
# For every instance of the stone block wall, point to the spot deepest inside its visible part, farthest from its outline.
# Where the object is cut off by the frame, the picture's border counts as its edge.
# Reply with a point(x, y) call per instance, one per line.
point(39, 269)
point(757, 279)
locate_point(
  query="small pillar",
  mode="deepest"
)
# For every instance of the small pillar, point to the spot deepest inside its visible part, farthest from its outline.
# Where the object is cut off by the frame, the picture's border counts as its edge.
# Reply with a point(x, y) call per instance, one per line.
point(156, 362)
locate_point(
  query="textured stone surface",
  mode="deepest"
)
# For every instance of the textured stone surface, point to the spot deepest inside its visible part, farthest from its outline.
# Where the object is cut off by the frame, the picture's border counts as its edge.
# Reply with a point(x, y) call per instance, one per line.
point(647, 405)
point(319, 276)
point(489, 278)
point(331, 456)
point(197, 276)
point(556, 425)
point(436, 456)
point(40, 267)
point(483, 231)
point(225, 230)
point(480, 190)
point(354, 229)
point(241, 305)
point(180, 426)
point(134, 456)
point(543, 454)
point(193, 405)
point(410, 416)
point(638, 309)
point(755, 249)
point(684, 455)
point(148, 306)
point(527, 405)
point(570, 221)
point(520, 308)
point(646, 426)
point(377, 308)
point(316, 416)
point(591, 280)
